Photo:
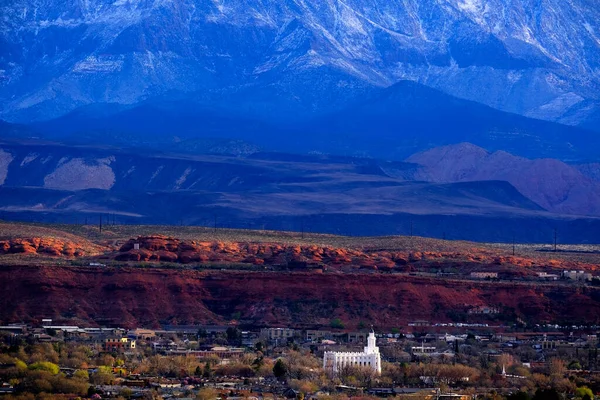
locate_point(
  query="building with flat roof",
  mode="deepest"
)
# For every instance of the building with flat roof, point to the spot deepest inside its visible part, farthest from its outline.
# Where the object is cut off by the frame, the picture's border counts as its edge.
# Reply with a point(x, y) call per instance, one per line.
point(277, 333)
point(484, 275)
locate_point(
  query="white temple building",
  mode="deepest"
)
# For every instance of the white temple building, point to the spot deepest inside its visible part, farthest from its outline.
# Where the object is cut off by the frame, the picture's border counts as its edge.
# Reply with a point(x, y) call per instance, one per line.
point(334, 361)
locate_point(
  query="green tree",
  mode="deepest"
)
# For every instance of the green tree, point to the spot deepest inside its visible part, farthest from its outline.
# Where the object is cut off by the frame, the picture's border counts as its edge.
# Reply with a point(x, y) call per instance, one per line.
point(574, 365)
point(336, 323)
point(21, 366)
point(547, 394)
point(207, 370)
point(280, 370)
point(82, 375)
point(234, 335)
point(202, 334)
point(519, 396)
point(257, 363)
point(45, 366)
point(102, 376)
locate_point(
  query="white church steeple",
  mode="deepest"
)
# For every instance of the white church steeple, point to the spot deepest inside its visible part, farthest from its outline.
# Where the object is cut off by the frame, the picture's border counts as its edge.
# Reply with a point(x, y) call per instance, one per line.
point(371, 344)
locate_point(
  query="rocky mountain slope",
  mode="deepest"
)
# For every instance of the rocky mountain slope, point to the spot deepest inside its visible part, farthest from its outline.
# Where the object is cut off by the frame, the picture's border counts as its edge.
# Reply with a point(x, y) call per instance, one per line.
point(534, 58)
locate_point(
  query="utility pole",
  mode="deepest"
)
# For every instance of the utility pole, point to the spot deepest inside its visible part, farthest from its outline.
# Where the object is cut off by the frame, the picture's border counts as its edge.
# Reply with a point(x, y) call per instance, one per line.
point(555, 238)
point(215, 223)
point(513, 244)
point(100, 226)
point(411, 228)
point(302, 226)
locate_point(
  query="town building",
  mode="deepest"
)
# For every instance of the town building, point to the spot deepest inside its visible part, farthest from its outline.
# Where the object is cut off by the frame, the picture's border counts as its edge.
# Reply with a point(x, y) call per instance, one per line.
point(483, 310)
point(17, 329)
point(223, 353)
point(577, 275)
point(164, 345)
point(420, 323)
point(118, 344)
point(141, 334)
point(423, 350)
point(277, 334)
point(313, 335)
point(484, 275)
point(334, 361)
point(547, 276)
point(357, 337)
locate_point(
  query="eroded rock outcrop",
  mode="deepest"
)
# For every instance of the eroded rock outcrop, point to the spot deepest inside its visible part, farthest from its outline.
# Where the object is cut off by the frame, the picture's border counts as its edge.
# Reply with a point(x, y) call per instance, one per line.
point(159, 248)
point(46, 246)
point(168, 249)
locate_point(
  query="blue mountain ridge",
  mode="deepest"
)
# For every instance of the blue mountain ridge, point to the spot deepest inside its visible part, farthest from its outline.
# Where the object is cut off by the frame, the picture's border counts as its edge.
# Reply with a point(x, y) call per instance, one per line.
point(538, 59)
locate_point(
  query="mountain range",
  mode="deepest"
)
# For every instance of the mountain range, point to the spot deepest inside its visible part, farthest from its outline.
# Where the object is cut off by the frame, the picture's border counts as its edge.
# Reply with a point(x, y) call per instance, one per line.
point(535, 58)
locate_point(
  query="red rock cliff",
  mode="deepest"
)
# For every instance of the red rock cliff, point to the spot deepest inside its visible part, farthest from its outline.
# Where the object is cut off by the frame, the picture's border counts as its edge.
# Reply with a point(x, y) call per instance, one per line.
point(148, 297)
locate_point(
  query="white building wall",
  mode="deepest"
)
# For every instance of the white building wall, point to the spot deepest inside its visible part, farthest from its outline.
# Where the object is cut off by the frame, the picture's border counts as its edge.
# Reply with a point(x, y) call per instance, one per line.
point(336, 361)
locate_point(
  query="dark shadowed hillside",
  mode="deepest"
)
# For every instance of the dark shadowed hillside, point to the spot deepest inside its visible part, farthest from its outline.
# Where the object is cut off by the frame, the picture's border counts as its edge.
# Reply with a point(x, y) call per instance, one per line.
point(318, 193)
point(390, 123)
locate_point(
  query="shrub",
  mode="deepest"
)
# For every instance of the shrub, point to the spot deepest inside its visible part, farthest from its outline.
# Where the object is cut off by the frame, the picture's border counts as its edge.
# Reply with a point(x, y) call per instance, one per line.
point(584, 392)
point(207, 394)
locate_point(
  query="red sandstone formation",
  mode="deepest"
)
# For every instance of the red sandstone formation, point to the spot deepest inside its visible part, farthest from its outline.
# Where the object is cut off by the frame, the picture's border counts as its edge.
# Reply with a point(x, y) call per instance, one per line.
point(162, 248)
point(311, 257)
point(130, 297)
point(46, 246)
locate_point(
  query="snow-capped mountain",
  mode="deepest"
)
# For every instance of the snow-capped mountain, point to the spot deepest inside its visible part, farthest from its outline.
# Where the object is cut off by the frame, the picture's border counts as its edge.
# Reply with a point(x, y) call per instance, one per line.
point(539, 58)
